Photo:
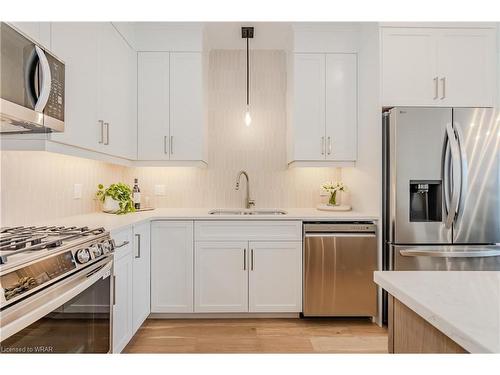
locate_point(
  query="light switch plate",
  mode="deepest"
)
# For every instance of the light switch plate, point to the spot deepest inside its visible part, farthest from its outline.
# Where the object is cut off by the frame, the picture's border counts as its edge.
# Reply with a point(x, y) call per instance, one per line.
point(159, 189)
point(77, 191)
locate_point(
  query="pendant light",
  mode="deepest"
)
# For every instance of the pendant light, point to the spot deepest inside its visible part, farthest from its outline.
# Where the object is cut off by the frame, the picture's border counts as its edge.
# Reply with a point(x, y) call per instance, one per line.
point(247, 33)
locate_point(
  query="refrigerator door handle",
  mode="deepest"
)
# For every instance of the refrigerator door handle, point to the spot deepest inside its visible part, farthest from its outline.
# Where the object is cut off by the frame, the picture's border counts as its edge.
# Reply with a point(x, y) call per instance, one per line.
point(455, 176)
point(463, 167)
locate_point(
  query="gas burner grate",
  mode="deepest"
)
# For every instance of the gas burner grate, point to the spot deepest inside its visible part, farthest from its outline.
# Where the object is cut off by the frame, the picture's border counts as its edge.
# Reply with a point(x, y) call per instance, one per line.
point(17, 240)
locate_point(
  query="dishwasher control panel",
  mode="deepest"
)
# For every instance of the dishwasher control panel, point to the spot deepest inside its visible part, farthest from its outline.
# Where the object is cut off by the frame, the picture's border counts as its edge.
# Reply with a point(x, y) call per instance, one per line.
point(353, 227)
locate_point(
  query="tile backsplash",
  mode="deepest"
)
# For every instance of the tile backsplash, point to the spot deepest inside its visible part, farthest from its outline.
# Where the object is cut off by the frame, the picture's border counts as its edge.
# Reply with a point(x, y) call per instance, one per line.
point(38, 185)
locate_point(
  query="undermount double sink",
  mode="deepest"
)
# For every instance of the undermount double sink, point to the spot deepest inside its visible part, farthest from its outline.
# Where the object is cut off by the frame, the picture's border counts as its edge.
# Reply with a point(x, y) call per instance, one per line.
point(222, 211)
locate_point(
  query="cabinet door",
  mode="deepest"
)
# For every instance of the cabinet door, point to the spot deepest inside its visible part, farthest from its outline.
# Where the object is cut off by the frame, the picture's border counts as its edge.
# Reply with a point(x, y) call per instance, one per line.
point(467, 67)
point(172, 266)
point(221, 277)
point(186, 106)
point(76, 43)
point(309, 107)
point(275, 279)
point(153, 106)
point(123, 278)
point(117, 93)
point(409, 72)
point(38, 31)
point(142, 274)
point(341, 107)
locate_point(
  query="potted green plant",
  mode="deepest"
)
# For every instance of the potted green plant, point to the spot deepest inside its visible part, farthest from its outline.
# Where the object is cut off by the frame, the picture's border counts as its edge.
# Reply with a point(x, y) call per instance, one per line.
point(116, 199)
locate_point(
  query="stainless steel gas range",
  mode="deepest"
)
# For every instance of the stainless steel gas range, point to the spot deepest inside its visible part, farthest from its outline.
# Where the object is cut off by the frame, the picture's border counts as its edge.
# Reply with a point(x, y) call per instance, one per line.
point(56, 290)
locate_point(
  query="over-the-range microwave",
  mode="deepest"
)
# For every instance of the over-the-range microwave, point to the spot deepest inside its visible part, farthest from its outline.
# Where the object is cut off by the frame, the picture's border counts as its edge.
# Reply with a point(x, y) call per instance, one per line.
point(31, 85)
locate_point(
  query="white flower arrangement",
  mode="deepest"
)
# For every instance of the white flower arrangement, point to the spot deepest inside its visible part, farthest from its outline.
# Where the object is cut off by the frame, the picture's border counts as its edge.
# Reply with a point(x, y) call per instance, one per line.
point(332, 188)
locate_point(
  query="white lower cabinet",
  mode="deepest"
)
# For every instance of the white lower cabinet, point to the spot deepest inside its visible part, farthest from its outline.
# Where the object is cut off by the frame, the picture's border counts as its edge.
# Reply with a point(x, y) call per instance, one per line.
point(141, 275)
point(172, 266)
point(123, 290)
point(221, 277)
point(275, 277)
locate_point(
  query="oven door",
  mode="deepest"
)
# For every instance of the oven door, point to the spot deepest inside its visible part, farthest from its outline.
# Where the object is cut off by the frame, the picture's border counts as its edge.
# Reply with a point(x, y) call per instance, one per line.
point(73, 316)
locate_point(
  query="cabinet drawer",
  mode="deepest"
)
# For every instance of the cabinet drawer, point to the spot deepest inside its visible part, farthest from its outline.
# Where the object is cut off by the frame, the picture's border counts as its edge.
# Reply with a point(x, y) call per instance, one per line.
point(248, 230)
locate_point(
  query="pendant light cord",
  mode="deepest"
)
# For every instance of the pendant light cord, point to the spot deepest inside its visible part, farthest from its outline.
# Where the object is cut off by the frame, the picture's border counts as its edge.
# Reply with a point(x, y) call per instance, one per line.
point(248, 73)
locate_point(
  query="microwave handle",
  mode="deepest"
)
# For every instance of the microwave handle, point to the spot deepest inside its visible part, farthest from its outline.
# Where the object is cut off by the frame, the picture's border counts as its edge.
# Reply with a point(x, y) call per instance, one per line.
point(46, 80)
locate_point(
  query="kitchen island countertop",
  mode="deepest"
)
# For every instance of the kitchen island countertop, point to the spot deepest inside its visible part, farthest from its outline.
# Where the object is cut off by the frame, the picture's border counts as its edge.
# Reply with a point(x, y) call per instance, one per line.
point(464, 305)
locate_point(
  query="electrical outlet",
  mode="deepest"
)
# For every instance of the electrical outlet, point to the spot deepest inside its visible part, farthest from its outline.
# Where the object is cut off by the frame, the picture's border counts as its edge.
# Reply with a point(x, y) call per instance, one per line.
point(77, 191)
point(159, 189)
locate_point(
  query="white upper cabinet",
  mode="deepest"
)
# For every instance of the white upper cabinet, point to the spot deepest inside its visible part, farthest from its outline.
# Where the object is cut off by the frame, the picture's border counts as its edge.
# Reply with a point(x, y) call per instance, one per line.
point(186, 106)
point(466, 65)
point(171, 122)
point(324, 114)
point(439, 67)
point(309, 107)
point(117, 93)
point(100, 113)
point(341, 107)
point(153, 106)
point(76, 43)
point(38, 31)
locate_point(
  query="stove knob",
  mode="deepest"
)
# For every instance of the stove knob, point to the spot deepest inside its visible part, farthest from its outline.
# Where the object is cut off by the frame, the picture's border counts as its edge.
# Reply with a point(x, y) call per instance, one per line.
point(96, 250)
point(83, 256)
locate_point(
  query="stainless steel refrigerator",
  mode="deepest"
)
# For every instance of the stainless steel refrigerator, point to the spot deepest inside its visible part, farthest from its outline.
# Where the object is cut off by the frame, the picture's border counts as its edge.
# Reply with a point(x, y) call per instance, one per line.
point(441, 188)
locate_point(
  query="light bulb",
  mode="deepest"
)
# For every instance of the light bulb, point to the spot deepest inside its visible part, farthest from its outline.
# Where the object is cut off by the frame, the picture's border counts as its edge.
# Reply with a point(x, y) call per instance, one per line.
point(248, 118)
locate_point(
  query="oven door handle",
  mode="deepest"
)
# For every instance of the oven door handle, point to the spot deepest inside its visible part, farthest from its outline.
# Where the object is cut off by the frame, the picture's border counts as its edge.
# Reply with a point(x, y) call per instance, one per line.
point(21, 315)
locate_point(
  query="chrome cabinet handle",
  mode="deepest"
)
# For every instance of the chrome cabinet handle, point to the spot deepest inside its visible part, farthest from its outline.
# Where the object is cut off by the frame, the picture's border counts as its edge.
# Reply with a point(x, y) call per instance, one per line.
point(114, 290)
point(124, 243)
point(138, 236)
point(322, 145)
point(171, 144)
point(101, 123)
point(46, 81)
point(329, 145)
point(443, 82)
point(251, 259)
point(244, 259)
point(106, 142)
point(165, 144)
point(436, 88)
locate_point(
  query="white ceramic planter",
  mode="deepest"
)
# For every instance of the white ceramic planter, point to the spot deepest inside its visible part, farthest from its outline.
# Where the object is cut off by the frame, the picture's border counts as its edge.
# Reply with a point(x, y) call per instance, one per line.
point(110, 205)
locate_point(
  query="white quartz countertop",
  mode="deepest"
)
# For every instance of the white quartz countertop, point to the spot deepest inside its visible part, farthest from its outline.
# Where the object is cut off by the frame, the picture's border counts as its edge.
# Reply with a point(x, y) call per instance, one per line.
point(116, 222)
point(464, 305)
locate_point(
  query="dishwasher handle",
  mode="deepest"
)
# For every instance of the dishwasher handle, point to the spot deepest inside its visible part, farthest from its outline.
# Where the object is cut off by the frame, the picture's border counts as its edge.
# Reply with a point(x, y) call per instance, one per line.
point(316, 234)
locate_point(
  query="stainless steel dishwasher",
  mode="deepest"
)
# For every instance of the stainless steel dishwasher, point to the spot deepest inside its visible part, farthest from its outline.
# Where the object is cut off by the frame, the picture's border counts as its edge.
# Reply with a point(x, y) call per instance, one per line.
point(339, 260)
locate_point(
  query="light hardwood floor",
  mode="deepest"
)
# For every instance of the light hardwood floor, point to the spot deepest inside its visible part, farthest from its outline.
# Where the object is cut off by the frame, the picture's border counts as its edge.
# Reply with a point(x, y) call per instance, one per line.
point(259, 336)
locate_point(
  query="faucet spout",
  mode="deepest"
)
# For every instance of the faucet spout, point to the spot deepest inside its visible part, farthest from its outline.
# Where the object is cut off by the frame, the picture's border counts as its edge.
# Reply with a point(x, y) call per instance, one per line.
point(248, 202)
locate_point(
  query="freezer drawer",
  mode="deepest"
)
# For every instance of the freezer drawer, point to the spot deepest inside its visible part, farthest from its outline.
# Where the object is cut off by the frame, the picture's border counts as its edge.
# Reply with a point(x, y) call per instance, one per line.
point(338, 274)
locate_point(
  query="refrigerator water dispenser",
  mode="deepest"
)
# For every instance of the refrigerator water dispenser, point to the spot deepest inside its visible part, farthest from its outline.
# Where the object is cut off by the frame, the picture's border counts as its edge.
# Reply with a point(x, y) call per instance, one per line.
point(425, 201)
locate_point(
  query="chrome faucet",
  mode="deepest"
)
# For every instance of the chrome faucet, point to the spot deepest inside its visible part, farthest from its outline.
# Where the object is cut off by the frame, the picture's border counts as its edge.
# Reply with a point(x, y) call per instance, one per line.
point(248, 202)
